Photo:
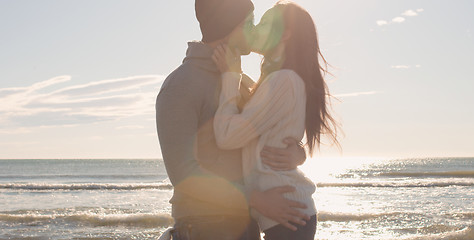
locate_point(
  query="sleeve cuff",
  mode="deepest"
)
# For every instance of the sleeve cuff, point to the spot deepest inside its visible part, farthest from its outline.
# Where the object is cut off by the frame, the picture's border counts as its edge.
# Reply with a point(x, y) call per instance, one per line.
point(231, 85)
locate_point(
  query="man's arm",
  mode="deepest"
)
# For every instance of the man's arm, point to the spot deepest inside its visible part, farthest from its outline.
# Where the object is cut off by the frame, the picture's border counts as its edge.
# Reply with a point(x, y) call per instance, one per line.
point(284, 159)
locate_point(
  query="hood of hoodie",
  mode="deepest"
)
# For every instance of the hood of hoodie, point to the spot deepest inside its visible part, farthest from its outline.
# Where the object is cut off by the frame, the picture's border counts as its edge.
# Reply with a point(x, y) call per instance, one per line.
point(200, 55)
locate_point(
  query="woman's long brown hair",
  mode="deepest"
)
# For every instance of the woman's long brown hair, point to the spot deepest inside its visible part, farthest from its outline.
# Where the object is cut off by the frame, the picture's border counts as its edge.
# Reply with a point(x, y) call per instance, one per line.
point(302, 56)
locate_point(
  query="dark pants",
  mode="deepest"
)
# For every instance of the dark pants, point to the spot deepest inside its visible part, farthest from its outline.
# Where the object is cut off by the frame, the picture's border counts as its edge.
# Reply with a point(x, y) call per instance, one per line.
point(216, 227)
point(280, 232)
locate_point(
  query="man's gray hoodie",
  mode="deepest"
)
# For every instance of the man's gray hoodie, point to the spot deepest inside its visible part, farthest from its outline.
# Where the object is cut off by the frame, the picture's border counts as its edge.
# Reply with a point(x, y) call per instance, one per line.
point(206, 179)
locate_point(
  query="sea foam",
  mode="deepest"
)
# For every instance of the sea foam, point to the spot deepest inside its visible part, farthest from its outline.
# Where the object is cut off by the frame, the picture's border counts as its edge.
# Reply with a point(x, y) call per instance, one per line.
point(137, 219)
point(85, 186)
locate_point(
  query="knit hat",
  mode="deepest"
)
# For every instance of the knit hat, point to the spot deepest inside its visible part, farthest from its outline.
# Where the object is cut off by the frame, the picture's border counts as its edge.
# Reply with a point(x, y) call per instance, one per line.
point(218, 18)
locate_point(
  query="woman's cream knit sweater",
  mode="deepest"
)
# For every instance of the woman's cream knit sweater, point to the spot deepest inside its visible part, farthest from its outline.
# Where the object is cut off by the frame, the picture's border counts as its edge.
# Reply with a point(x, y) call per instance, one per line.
point(275, 111)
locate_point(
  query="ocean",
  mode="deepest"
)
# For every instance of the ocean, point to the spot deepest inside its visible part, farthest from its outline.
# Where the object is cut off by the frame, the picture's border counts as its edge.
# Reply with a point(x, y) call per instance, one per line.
point(356, 198)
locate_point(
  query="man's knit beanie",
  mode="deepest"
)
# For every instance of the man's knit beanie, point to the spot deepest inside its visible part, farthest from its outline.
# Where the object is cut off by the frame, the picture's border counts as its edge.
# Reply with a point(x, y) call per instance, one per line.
point(218, 18)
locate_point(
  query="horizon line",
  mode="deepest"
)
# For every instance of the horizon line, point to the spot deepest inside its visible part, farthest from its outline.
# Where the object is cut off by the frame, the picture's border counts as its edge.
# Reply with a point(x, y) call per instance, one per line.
point(371, 157)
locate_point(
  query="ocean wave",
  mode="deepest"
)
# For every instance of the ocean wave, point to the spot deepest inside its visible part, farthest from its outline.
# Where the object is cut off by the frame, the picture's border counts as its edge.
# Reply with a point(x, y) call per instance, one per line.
point(85, 186)
point(166, 185)
point(436, 231)
point(444, 232)
point(82, 176)
point(153, 220)
point(397, 184)
point(452, 174)
point(464, 215)
point(347, 217)
point(137, 219)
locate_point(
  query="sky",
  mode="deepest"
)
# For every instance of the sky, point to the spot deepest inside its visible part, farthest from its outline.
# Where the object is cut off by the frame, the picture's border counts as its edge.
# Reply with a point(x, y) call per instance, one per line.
point(79, 79)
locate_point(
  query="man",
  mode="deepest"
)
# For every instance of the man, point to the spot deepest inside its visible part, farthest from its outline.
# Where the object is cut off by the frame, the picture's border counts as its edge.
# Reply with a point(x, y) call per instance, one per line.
point(209, 201)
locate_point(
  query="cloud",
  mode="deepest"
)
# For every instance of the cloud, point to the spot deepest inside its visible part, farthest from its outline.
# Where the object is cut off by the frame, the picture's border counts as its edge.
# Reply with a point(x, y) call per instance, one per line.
point(97, 102)
point(9, 91)
point(382, 22)
point(106, 86)
point(404, 66)
point(105, 100)
point(400, 66)
point(410, 13)
point(398, 19)
point(5, 92)
point(355, 94)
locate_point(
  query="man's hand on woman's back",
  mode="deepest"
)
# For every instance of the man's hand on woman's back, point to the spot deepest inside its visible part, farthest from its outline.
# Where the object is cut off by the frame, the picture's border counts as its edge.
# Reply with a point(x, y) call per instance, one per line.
point(274, 205)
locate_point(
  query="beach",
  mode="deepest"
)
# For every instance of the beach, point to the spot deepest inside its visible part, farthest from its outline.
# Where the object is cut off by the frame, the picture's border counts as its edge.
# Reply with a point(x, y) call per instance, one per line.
point(410, 198)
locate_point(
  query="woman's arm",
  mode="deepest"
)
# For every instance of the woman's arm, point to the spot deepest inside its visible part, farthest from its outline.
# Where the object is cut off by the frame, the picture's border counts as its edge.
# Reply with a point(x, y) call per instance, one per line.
point(270, 103)
point(277, 158)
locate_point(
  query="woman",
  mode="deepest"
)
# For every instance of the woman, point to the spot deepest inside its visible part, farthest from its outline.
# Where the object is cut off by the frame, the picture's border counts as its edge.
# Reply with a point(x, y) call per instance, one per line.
point(289, 100)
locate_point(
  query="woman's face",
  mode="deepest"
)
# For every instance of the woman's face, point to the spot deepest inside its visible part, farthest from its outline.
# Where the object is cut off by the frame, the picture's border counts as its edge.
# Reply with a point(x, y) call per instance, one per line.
point(267, 34)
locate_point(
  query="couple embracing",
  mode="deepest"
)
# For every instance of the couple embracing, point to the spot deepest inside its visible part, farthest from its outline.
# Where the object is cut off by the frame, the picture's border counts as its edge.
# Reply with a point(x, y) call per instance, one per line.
point(232, 146)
